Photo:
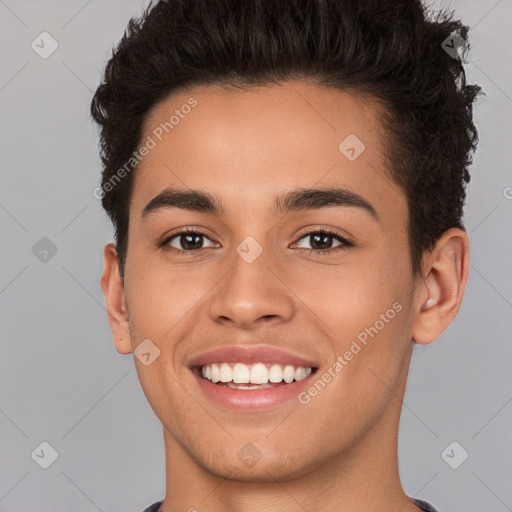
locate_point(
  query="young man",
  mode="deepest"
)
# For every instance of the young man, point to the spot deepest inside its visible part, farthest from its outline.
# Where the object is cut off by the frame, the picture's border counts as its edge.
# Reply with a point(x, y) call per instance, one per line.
point(286, 181)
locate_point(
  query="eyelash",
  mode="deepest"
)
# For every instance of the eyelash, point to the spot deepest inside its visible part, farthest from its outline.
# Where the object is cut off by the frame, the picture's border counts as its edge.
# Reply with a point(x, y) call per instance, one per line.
point(346, 243)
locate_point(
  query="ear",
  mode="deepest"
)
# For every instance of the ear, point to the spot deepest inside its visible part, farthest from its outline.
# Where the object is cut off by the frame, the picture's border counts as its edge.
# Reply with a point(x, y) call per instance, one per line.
point(113, 290)
point(439, 294)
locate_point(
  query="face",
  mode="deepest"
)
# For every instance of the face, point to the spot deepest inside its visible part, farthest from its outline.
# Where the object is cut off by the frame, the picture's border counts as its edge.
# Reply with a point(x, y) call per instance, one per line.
point(296, 268)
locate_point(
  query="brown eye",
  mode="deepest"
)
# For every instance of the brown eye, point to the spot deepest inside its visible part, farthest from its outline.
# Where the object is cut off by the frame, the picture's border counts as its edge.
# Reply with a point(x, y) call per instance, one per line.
point(186, 241)
point(321, 241)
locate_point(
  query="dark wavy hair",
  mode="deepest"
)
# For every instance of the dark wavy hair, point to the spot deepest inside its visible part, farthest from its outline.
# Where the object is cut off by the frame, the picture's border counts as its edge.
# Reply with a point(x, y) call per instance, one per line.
point(393, 50)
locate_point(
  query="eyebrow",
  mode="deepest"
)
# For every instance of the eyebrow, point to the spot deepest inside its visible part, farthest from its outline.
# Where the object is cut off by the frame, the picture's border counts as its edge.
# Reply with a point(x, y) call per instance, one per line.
point(296, 200)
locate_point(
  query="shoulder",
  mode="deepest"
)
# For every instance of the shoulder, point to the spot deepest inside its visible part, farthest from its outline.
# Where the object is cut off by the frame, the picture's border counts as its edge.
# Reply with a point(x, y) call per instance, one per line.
point(154, 507)
point(426, 507)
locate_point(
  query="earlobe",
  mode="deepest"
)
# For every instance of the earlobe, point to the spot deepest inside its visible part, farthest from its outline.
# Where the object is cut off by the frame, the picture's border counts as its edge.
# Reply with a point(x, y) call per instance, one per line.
point(439, 295)
point(113, 292)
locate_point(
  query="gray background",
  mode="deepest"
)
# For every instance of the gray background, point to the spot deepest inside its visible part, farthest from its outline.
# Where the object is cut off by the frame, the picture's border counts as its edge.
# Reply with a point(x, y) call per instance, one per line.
point(63, 382)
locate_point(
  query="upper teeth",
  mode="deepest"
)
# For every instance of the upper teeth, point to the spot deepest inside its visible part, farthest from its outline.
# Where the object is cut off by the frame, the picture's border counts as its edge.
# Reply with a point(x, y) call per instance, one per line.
point(258, 373)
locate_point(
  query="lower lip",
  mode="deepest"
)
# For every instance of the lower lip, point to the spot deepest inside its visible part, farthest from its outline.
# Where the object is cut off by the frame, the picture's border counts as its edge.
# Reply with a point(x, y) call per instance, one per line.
point(251, 399)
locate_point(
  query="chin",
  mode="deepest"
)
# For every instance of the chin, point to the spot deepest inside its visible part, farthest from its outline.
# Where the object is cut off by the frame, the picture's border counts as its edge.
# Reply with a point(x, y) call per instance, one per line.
point(267, 469)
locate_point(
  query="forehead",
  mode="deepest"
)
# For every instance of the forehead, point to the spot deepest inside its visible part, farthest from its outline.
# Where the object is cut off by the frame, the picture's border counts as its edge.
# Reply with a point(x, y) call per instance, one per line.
point(247, 146)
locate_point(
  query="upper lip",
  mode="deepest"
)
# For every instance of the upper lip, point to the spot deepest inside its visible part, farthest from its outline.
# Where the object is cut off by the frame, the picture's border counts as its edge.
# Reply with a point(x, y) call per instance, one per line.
point(251, 355)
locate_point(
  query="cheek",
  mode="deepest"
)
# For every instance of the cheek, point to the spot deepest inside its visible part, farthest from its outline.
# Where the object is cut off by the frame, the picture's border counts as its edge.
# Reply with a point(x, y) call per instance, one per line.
point(349, 298)
point(161, 297)
point(367, 311)
point(374, 343)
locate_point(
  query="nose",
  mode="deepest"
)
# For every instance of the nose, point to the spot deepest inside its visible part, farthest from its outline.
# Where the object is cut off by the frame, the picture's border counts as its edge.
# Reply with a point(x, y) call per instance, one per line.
point(252, 294)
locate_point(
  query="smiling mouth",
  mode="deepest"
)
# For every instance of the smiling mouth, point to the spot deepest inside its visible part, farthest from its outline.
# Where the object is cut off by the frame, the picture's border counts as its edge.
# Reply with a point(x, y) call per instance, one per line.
point(252, 376)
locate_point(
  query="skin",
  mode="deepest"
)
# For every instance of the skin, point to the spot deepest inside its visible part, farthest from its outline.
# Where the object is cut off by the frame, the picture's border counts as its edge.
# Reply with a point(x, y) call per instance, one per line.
point(339, 451)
